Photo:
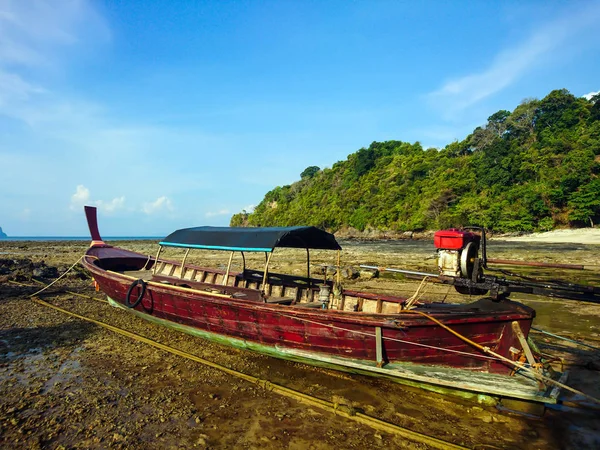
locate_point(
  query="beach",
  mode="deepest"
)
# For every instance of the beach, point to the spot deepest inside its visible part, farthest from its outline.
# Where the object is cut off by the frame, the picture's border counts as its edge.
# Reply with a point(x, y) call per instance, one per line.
point(573, 236)
point(66, 383)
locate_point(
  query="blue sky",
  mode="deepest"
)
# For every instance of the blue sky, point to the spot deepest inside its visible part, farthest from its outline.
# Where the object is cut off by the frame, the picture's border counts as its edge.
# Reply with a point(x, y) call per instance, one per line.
point(168, 114)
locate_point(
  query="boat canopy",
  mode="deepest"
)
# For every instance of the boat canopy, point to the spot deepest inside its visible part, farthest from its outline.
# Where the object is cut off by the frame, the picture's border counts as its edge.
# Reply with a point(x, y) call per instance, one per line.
point(248, 239)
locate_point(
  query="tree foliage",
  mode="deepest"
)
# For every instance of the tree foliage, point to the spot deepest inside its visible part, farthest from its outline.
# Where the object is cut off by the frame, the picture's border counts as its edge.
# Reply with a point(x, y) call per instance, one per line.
point(534, 168)
point(309, 172)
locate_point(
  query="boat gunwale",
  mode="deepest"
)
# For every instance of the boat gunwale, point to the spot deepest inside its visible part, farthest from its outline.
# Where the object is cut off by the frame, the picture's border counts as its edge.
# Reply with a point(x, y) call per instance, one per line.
point(400, 319)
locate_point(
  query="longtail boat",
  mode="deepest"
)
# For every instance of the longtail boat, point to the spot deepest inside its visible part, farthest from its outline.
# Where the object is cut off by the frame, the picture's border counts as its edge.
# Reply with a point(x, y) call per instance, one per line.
point(464, 349)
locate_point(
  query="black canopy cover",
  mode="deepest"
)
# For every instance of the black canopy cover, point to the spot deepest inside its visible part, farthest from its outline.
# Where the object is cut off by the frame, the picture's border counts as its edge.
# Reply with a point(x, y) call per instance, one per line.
point(251, 239)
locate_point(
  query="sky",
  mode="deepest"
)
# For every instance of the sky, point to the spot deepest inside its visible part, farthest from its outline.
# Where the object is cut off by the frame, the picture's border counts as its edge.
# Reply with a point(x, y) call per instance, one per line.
point(171, 114)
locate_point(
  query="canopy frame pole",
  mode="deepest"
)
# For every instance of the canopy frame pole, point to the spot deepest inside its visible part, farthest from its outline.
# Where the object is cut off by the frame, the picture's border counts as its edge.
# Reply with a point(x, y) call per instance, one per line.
point(226, 277)
point(266, 272)
point(243, 262)
point(308, 266)
point(339, 269)
point(187, 251)
point(156, 259)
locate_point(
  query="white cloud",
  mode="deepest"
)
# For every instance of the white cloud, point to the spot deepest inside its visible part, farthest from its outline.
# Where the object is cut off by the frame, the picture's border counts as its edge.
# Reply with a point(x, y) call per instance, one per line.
point(250, 208)
point(512, 63)
point(82, 197)
point(111, 206)
point(161, 204)
point(590, 95)
point(222, 212)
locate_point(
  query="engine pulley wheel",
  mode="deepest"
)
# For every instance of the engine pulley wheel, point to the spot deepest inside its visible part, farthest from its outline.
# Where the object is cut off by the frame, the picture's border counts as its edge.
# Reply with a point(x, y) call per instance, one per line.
point(467, 260)
point(467, 264)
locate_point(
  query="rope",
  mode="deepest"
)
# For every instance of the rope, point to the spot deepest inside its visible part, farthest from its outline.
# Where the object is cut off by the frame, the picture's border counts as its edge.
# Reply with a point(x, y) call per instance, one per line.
point(68, 292)
point(564, 338)
point(68, 270)
point(148, 260)
point(306, 399)
point(417, 295)
point(323, 324)
point(486, 350)
point(518, 365)
point(389, 338)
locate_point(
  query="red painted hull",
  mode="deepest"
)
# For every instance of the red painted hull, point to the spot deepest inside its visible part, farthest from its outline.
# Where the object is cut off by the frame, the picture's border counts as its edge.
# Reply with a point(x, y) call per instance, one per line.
point(343, 334)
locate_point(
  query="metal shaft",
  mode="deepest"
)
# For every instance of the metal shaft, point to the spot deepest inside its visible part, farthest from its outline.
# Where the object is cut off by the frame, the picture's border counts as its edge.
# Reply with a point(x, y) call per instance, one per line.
point(536, 264)
point(407, 272)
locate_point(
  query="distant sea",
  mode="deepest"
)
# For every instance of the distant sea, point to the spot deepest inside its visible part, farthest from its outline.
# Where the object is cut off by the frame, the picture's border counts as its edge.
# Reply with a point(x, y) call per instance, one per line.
point(81, 238)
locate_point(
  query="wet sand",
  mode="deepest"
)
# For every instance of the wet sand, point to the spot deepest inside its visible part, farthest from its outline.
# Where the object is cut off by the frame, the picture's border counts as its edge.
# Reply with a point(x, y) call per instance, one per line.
point(65, 383)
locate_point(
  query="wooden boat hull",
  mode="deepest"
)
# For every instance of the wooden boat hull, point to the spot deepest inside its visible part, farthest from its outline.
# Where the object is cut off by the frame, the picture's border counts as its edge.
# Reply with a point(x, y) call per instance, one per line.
point(481, 387)
point(407, 348)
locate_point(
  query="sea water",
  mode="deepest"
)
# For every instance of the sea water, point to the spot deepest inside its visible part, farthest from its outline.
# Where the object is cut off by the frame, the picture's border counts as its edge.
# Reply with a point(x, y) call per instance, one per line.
point(81, 238)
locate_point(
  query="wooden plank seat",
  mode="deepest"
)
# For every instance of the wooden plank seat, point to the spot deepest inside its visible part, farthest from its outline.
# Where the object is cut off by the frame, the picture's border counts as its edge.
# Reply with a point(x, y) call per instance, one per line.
point(277, 279)
point(280, 300)
point(145, 275)
point(310, 305)
point(239, 293)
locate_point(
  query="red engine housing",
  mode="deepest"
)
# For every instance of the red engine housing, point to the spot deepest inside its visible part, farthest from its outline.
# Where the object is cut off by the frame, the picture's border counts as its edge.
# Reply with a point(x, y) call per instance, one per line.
point(454, 239)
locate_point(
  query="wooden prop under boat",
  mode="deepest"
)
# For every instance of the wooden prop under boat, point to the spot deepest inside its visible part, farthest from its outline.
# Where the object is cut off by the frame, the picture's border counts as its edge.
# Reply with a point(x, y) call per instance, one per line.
point(308, 320)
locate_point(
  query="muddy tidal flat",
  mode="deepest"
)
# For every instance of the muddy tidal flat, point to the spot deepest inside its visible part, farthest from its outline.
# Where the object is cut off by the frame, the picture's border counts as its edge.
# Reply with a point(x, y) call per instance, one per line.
point(66, 383)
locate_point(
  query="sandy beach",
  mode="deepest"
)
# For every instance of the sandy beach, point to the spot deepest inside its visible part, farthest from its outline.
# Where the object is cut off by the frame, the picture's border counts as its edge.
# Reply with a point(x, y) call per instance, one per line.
point(572, 236)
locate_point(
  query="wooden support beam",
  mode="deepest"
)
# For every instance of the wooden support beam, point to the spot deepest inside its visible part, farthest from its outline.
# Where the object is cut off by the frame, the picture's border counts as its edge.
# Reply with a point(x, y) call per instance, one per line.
point(156, 259)
point(528, 353)
point(226, 277)
point(187, 252)
point(379, 346)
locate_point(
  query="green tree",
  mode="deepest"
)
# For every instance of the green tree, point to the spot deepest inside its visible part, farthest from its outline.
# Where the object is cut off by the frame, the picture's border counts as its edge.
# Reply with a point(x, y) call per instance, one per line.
point(309, 172)
point(585, 203)
point(497, 122)
point(530, 169)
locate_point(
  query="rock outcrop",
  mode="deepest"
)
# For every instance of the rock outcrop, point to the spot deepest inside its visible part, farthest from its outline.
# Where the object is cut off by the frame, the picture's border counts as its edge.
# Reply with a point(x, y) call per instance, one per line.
point(2, 234)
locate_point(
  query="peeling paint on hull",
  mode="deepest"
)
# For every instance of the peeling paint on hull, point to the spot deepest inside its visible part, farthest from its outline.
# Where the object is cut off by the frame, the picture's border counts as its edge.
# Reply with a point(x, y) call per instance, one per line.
point(481, 387)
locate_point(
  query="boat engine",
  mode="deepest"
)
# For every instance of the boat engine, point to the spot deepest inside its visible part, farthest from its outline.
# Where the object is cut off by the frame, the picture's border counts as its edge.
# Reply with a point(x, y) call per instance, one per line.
point(458, 253)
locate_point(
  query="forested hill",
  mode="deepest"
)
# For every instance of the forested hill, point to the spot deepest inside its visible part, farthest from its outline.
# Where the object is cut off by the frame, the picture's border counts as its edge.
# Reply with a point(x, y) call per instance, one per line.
point(536, 168)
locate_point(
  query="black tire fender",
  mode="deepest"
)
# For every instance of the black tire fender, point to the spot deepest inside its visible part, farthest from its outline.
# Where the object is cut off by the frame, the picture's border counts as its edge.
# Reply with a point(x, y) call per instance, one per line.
point(140, 296)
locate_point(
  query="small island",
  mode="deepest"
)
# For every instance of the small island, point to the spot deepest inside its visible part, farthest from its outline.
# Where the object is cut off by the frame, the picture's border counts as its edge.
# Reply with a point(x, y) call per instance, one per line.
point(2, 234)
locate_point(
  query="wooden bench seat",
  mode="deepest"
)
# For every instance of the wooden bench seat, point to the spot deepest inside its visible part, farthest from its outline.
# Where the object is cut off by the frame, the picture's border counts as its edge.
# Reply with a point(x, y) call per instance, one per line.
point(145, 275)
point(310, 305)
point(280, 300)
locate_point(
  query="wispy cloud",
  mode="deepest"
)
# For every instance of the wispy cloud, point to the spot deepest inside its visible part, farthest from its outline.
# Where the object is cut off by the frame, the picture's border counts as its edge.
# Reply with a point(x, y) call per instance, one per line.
point(514, 62)
point(25, 214)
point(222, 212)
point(33, 37)
point(14, 89)
point(111, 206)
point(82, 197)
point(161, 204)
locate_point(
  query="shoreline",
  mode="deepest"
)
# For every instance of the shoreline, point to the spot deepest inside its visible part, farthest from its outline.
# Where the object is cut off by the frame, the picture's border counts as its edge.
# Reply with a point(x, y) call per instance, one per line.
point(586, 236)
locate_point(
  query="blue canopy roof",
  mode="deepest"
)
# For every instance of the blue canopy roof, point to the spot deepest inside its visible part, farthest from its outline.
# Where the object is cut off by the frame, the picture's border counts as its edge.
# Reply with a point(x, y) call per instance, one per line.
point(258, 239)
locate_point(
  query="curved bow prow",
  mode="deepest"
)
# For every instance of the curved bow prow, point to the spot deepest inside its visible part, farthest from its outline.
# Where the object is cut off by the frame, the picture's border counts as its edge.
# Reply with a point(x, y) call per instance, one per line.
point(92, 220)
